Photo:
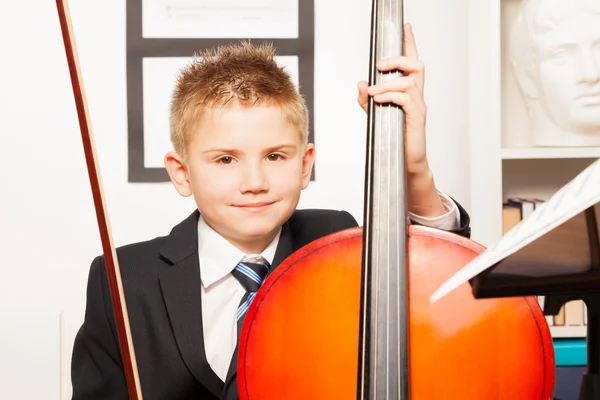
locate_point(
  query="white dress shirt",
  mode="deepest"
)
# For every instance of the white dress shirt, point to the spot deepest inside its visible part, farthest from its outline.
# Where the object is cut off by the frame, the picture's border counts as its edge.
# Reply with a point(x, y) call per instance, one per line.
point(448, 221)
point(222, 292)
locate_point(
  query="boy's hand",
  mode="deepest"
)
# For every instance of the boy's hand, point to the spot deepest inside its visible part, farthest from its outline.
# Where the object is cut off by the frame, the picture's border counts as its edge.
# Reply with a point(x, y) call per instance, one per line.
point(407, 92)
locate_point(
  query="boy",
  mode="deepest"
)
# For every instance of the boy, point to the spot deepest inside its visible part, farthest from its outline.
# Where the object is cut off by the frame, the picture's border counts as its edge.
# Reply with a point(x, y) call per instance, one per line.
point(239, 131)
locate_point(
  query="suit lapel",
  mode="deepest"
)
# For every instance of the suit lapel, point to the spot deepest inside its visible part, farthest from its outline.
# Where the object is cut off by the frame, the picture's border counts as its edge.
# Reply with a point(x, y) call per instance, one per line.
point(285, 247)
point(230, 390)
point(180, 286)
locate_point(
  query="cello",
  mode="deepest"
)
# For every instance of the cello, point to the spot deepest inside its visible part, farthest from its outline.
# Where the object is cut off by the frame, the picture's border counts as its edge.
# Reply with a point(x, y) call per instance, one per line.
point(348, 316)
point(362, 325)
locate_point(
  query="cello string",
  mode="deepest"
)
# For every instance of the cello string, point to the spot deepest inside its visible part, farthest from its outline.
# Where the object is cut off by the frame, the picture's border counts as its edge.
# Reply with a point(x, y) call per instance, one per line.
point(376, 230)
point(397, 211)
point(367, 375)
point(390, 172)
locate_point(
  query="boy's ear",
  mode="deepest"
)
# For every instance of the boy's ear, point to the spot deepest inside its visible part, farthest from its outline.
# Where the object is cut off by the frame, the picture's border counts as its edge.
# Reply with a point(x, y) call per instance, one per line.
point(178, 173)
point(307, 164)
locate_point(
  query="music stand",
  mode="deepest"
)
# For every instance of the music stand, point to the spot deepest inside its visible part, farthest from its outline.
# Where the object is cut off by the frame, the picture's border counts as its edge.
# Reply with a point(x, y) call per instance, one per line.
point(558, 290)
point(554, 252)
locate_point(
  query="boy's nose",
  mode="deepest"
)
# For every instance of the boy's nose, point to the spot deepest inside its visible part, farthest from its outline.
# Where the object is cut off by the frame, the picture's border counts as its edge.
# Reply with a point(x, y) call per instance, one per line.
point(253, 179)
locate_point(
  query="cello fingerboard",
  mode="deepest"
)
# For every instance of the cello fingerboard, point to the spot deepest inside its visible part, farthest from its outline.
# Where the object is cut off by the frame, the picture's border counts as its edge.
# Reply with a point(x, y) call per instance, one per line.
point(383, 367)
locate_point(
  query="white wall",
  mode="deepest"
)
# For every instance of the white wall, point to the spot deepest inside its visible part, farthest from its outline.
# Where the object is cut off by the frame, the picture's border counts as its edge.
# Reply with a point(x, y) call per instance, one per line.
point(48, 232)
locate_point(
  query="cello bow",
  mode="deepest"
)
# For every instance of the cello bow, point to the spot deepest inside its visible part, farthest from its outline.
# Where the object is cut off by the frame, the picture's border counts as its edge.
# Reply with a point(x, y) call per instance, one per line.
point(111, 262)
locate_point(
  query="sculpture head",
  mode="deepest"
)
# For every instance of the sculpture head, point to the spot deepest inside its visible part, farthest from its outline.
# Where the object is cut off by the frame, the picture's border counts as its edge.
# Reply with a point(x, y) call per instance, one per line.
point(555, 53)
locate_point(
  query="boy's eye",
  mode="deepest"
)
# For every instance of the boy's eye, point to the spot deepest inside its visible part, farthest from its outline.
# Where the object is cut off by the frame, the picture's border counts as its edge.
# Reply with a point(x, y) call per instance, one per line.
point(274, 157)
point(226, 160)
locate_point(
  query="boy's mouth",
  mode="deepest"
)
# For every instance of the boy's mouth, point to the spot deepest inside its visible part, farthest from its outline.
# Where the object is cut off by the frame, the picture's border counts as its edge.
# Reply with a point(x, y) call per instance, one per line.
point(255, 207)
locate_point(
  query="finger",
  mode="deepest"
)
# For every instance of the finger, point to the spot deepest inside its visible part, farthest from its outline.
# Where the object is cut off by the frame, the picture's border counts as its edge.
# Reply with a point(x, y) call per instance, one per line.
point(403, 84)
point(410, 45)
point(410, 66)
point(410, 50)
point(363, 96)
point(402, 63)
point(402, 99)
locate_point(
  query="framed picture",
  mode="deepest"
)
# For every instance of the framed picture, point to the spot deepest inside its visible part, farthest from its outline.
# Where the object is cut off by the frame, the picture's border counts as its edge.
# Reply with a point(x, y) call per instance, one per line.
point(162, 36)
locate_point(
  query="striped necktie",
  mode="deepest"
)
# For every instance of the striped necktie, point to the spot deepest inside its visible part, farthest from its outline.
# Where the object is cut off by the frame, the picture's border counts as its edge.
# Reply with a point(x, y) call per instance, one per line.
point(250, 272)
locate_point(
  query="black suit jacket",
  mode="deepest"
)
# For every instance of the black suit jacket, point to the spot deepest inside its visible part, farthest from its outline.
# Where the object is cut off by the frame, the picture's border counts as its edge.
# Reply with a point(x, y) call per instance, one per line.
point(161, 281)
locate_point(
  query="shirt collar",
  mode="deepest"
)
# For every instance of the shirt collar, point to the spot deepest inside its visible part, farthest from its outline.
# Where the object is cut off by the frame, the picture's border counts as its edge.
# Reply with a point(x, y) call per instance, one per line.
point(218, 257)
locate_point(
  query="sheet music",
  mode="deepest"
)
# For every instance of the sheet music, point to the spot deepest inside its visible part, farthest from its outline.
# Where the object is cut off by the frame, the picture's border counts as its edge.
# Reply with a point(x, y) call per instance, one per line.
point(159, 81)
point(572, 199)
point(563, 250)
point(220, 19)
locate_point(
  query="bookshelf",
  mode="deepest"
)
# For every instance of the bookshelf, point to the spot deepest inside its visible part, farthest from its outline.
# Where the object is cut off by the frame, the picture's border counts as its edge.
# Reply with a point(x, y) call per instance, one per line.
point(568, 331)
point(548, 153)
point(503, 162)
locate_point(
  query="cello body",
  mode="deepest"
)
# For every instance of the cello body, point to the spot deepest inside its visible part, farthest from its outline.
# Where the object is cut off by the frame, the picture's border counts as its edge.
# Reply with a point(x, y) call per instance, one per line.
point(349, 316)
point(301, 335)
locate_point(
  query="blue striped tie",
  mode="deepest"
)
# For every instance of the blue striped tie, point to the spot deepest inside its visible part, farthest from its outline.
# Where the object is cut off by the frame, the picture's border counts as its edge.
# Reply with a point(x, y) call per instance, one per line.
point(250, 272)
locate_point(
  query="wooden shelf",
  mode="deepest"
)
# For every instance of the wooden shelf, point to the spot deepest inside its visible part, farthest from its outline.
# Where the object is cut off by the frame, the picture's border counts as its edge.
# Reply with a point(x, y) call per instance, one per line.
point(549, 152)
point(501, 156)
point(568, 331)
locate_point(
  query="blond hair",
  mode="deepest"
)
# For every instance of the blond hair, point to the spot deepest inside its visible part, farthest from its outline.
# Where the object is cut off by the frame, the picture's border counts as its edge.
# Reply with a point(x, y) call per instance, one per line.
point(242, 73)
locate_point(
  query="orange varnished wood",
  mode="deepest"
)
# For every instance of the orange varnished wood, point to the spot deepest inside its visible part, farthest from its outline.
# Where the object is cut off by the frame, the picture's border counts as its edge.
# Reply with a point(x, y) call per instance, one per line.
point(300, 336)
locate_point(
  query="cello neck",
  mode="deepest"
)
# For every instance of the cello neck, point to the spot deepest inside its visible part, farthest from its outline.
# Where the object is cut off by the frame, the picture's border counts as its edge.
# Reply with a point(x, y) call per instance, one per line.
point(383, 352)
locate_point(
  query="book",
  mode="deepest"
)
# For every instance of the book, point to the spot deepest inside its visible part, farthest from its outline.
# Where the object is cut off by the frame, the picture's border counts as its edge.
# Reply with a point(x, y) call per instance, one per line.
point(553, 241)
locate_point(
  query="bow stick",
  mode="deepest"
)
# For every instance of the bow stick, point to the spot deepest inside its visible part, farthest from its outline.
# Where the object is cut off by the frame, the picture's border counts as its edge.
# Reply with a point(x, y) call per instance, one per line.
point(112, 265)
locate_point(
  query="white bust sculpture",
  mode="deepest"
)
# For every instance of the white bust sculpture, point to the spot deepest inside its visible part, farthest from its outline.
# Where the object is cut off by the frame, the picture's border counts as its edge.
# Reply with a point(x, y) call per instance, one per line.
point(555, 53)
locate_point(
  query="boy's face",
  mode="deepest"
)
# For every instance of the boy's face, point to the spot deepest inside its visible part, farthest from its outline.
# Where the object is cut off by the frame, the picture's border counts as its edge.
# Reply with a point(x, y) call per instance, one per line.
point(246, 169)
